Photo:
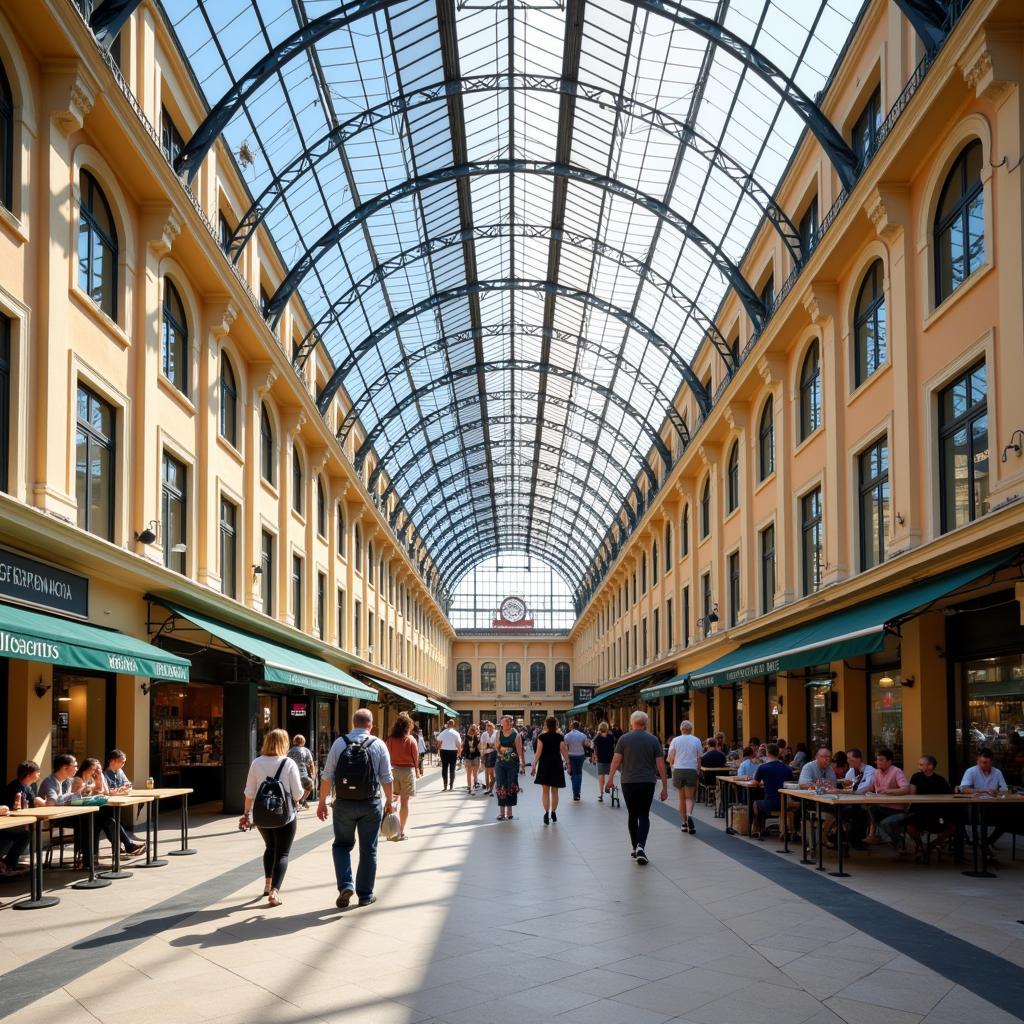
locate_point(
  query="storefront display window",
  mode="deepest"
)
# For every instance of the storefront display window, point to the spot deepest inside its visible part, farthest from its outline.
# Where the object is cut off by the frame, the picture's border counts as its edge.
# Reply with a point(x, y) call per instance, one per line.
point(990, 703)
point(188, 727)
point(80, 715)
point(773, 709)
point(886, 711)
point(819, 718)
point(271, 714)
point(737, 715)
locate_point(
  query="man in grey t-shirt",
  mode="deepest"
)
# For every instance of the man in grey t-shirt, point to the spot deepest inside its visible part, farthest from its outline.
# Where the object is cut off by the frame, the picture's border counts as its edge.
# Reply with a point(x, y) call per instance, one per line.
point(642, 761)
point(575, 741)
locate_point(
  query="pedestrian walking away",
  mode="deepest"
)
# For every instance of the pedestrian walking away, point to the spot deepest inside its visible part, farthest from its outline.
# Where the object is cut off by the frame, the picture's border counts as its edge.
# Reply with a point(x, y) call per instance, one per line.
point(358, 767)
point(471, 756)
point(303, 759)
point(604, 751)
point(405, 767)
point(273, 788)
point(489, 756)
point(642, 760)
point(576, 743)
point(449, 744)
point(684, 754)
point(550, 763)
point(509, 746)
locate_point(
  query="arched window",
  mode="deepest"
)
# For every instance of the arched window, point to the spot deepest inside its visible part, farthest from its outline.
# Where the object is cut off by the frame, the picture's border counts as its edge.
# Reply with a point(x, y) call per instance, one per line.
point(684, 533)
point(870, 349)
point(810, 392)
point(562, 679)
point(654, 563)
point(6, 140)
point(97, 246)
point(513, 677)
point(668, 547)
point(342, 533)
point(488, 677)
point(960, 223)
point(298, 484)
point(228, 402)
point(174, 339)
point(733, 478)
point(766, 441)
point(705, 509)
point(321, 508)
point(538, 677)
point(267, 461)
point(463, 677)
point(357, 551)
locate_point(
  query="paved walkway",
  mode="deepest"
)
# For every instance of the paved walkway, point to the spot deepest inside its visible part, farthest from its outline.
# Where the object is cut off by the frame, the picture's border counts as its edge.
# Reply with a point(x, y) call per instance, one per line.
point(512, 923)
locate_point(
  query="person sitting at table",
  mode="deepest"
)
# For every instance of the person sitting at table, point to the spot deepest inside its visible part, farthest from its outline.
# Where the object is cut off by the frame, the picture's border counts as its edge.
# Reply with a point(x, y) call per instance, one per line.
point(817, 771)
point(748, 766)
point(758, 750)
point(772, 775)
point(984, 777)
point(714, 757)
point(926, 781)
point(117, 783)
point(17, 797)
point(55, 789)
point(90, 781)
point(840, 766)
point(800, 756)
point(888, 780)
point(858, 775)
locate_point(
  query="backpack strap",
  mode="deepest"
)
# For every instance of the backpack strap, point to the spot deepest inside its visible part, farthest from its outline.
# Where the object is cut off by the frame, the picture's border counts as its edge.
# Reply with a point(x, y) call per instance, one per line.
point(280, 768)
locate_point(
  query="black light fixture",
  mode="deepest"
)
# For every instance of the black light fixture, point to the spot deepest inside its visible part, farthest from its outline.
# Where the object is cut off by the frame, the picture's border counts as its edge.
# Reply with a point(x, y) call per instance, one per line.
point(41, 689)
point(1016, 444)
point(148, 535)
point(257, 569)
point(705, 622)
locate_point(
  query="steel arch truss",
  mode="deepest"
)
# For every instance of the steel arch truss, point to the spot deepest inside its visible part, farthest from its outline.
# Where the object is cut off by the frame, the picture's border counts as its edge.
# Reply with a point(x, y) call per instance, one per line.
point(677, 128)
point(357, 217)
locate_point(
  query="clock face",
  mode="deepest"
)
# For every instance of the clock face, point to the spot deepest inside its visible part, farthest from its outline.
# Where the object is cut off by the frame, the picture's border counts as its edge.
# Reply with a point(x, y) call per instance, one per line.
point(513, 609)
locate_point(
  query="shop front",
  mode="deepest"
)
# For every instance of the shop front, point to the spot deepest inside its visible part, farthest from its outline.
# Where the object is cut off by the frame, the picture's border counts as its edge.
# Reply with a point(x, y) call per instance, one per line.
point(426, 712)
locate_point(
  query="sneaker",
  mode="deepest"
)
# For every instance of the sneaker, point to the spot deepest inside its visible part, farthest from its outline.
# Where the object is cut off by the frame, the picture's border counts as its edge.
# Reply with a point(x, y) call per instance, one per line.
point(368, 901)
point(641, 857)
point(633, 853)
point(576, 796)
point(547, 818)
point(344, 898)
point(690, 827)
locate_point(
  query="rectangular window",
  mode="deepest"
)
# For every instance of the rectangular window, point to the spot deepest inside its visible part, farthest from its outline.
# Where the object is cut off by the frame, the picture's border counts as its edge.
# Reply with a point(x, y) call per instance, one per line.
point(706, 605)
point(808, 227)
point(171, 141)
point(636, 649)
point(643, 647)
point(963, 448)
point(767, 545)
point(864, 136)
point(94, 463)
point(874, 504)
point(734, 588)
point(173, 516)
point(357, 621)
point(886, 706)
point(657, 637)
point(224, 230)
point(321, 603)
point(5, 399)
point(369, 636)
point(686, 616)
point(228, 548)
point(267, 572)
point(811, 540)
point(341, 618)
point(297, 591)
point(767, 294)
point(669, 625)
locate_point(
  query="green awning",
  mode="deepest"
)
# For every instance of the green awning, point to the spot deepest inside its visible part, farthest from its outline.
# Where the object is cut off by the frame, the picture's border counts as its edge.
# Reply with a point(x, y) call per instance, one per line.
point(280, 664)
point(447, 711)
point(420, 704)
point(36, 636)
point(599, 698)
point(843, 634)
point(669, 688)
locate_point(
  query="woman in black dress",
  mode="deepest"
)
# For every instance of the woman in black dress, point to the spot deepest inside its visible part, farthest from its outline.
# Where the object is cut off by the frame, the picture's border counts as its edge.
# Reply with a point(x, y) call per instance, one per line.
point(550, 763)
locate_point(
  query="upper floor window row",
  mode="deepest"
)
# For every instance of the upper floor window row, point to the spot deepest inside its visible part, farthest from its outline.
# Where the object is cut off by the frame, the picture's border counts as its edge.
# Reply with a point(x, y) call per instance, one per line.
point(960, 223)
point(97, 246)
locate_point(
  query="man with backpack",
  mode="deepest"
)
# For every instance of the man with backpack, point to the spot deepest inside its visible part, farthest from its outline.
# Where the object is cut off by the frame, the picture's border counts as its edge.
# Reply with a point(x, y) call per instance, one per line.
point(358, 767)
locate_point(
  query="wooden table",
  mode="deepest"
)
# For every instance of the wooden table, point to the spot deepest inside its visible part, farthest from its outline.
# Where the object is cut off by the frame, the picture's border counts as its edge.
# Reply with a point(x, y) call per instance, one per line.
point(705, 775)
point(727, 782)
point(119, 801)
point(166, 792)
point(36, 816)
point(835, 802)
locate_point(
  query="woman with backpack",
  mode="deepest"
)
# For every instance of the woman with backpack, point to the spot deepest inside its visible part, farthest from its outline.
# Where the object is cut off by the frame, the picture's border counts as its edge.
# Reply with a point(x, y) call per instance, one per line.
point(272, 790)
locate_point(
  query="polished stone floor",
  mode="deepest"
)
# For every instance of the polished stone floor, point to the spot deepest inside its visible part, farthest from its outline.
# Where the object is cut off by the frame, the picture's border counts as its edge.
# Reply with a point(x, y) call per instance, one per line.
point(480, 921)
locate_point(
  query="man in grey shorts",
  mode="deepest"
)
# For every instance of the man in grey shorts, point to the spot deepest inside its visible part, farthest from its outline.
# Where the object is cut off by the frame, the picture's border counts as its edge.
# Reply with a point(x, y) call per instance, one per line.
point(684, 753)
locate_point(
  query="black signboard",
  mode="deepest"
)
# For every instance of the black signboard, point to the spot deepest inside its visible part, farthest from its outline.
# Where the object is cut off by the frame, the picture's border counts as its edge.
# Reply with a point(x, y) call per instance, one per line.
point(581, 694)
point(45, 586)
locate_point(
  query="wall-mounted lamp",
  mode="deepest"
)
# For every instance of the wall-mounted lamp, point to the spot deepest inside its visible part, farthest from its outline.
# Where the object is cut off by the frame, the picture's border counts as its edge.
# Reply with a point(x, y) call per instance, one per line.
point(148, 535)
point(887, 681)
point(257, 569)
point(41, 689)
point(145, 687)
point(899, 518)
point(705, 622)
point(1016, 444)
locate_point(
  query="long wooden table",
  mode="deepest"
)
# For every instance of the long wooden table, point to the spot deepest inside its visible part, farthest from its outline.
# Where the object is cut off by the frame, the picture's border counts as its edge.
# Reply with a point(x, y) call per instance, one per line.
point(727, 782)
point(35, 816)
point(118, 801)
point(159, 793)
point(834, 803)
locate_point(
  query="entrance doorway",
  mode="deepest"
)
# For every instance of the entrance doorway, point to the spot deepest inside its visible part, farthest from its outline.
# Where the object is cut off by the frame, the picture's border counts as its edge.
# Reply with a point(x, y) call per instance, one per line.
point(83, 714)
point(270, 716)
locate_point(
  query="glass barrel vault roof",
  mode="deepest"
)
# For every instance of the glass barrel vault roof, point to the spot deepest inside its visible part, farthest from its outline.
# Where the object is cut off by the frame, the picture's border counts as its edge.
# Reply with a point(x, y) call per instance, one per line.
point(512, 224)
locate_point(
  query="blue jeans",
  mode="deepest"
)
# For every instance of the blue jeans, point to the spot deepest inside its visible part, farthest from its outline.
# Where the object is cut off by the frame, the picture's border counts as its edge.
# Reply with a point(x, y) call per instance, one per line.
point(352, 818)
point(576, 772)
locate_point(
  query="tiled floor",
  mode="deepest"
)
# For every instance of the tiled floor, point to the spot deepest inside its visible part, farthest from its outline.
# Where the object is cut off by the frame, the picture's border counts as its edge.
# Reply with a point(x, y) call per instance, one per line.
point(480, 921)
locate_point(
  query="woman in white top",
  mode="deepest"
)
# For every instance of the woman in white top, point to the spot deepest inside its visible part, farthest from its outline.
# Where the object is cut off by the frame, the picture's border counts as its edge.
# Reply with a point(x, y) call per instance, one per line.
point(278, 841)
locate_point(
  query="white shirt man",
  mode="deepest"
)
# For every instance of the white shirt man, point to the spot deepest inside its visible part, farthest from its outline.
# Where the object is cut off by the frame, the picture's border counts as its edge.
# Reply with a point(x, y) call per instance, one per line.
point(486, 741)
point(684, 754)
point(449, 742)
point(449, 739)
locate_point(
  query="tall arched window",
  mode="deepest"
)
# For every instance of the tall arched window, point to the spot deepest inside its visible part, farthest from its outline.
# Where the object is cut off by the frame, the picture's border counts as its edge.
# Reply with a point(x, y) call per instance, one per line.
point(654, 564)
point(870, 349)
point(6, 140)
point(562, 679)
point(766, 441)
point(960, 223)
point(228, 402)
point(668, 547)
point(810, 392)
point(513, 677)
point(174, 339)
point(463, 677)
point(538, 677)
point(298, 483)
point(342, 532)
point(733, 478)
point(321, 508)
point(705, 509)
point(267, 460)
point(488, 677)
point(684, 533)
point(643, 573)
point(357, 548)
point(97, 246)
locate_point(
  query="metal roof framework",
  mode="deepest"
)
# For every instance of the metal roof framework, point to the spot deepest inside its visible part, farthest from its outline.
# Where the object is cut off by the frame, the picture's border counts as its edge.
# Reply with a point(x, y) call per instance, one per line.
point(472, 197)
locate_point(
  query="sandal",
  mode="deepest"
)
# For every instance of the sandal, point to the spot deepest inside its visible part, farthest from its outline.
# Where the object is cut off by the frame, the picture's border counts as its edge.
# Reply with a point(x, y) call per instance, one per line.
point(274, 900)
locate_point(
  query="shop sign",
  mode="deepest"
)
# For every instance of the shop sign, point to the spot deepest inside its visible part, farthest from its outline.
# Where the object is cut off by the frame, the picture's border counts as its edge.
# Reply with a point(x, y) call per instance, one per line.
point(28, 581)
point(581, 694)
point(298, 709)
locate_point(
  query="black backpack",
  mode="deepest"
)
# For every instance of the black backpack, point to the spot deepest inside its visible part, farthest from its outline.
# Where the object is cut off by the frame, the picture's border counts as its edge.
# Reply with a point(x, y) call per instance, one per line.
point(354, 776)
point(272, 806)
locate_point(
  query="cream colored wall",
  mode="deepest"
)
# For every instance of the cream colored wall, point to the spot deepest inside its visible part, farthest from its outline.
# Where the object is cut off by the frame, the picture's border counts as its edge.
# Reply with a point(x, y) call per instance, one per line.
point(501, 651)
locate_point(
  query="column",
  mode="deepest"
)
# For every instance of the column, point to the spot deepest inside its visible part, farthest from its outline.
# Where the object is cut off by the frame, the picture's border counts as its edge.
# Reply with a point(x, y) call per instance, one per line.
point(792, 710)
point(723, 705)
point(850, 722)
point(755, 710)
point(926, 726)
point(132, 724)
point(29, 716)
